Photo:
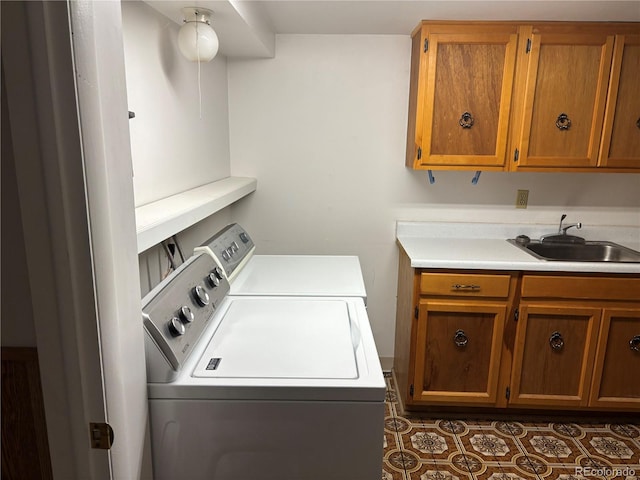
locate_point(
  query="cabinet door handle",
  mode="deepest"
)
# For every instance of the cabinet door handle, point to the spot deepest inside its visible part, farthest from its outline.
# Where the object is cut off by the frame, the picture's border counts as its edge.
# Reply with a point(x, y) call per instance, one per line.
point(556, 341)
point(457, 286)
point(460, 339)
point(563, 122)
point(634, 343)
point(466, 120)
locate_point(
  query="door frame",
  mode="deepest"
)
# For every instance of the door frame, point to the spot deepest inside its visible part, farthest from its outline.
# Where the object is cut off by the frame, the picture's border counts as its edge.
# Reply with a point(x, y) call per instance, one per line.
point(63, 64)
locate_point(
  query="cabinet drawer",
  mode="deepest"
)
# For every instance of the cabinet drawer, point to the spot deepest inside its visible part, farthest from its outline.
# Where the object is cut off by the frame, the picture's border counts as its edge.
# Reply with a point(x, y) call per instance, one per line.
point(463, 284)
point(593, 288)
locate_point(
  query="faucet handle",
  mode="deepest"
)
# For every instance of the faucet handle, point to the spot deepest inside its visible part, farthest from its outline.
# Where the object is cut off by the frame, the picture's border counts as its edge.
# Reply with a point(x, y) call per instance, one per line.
point(562, 217)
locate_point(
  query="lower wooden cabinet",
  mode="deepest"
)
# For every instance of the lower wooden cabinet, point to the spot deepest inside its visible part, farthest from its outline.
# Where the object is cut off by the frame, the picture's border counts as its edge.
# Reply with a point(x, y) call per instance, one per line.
point(458, 350)
point(553, 355)
point(517, 340)
point(616, 373)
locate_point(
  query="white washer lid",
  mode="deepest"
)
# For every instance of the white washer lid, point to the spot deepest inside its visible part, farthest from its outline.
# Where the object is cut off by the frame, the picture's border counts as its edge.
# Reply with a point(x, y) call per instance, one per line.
point(314, 275)
point(283, 338)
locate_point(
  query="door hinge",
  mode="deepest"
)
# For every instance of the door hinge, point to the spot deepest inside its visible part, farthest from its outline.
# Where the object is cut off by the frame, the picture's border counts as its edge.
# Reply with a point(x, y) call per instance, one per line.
point(516, 155)
point(419, 153)
point(101, 435)
point(507, 393)
point(416, 312)
point(411, 389)
point(516, 315)
point(528, 49)
point(426, 44)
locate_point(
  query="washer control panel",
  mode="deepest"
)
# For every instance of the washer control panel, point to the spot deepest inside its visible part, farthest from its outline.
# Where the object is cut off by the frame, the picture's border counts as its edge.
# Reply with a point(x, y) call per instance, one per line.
point(177, 311)
point(229, 246)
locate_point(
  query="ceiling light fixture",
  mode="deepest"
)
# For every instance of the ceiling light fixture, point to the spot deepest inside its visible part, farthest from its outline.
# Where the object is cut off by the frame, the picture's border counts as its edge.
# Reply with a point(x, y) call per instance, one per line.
point(198, 42)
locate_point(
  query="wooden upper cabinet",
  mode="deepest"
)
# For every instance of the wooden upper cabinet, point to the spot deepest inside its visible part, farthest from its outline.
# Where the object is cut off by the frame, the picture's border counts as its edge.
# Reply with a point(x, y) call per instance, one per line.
point(621, 134)
point(563, 76)
point(460, 99)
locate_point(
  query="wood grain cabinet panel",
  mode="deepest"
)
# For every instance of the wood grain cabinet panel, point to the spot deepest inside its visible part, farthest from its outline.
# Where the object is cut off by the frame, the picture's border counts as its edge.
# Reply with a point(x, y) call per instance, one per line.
point(616, 376)
point(621, 134)
point(461, 86)
point(517, 96)
point(465, 284)
point(566, 77)
point(458, 349)
point(571, 342)
point(553, 355)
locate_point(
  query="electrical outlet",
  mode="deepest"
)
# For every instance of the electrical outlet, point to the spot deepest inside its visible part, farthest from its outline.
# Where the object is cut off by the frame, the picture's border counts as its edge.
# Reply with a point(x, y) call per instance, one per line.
point(522, 197)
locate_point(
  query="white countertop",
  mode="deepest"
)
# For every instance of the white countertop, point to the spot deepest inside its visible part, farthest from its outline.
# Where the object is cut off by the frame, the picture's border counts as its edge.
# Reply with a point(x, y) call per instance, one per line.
point(483, 246)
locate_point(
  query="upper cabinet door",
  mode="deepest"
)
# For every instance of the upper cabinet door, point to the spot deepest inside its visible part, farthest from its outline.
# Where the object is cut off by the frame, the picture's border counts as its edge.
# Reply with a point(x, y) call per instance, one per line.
point(462, 84)
point(621, 133)
point(566, 76)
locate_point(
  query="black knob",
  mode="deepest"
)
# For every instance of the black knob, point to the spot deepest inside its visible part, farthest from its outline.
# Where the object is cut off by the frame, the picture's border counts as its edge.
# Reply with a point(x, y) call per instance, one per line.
point(245, 238)
point(176, 327)
point(186, 315)
point(201, 296)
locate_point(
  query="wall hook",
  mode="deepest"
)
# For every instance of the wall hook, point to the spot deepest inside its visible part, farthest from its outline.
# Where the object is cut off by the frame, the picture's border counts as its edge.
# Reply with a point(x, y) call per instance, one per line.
point(432, 180)
point(476, 177)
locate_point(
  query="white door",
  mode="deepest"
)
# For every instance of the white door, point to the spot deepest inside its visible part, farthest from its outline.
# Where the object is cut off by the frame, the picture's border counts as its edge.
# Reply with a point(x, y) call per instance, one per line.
point(66, 98)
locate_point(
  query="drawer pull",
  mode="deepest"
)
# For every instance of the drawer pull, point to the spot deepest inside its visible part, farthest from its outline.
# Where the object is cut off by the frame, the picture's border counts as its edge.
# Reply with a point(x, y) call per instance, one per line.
point(457, 286)
point(634, 343)
point(556, 341)
point(460, 339)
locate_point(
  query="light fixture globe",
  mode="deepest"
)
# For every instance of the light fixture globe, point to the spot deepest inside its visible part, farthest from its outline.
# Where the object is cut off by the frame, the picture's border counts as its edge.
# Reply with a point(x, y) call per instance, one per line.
point(197, 40)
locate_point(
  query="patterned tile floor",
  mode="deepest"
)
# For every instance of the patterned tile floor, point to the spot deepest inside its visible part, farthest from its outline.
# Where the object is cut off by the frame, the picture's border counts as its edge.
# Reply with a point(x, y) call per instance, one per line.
point(418, 447)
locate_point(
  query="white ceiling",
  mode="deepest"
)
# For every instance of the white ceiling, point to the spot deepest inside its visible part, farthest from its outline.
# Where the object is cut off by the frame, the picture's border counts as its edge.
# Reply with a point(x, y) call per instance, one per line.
point(247, 27)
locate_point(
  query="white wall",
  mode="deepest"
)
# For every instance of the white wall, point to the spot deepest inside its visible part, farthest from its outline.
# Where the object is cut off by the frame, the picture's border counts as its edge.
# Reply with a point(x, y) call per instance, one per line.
point(323, 127)
point(174, 147)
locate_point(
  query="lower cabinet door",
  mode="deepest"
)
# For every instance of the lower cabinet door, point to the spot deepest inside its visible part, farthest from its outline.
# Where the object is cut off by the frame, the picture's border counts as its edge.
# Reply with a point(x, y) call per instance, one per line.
point(553, 355)
point(616, 376)
point(458, 345)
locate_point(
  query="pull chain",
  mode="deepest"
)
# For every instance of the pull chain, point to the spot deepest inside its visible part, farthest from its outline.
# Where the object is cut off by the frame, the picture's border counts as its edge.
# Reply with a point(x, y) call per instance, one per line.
point(199, 82)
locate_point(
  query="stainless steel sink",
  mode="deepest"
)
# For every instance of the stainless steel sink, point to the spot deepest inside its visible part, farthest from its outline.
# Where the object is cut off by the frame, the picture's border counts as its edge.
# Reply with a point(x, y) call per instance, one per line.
point(579, 252)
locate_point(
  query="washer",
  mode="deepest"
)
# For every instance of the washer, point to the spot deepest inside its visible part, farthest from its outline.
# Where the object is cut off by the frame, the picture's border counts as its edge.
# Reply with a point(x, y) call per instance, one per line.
point(292, 275)
point(260, 387)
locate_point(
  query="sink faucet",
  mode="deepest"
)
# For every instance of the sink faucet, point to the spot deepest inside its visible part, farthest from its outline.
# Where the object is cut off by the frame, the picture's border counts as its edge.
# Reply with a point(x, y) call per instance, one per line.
point(563, 230)
point(562, 236)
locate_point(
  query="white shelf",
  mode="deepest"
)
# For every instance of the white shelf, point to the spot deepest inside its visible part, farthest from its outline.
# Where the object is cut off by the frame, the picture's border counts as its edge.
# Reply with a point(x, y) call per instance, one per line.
point(160, 220)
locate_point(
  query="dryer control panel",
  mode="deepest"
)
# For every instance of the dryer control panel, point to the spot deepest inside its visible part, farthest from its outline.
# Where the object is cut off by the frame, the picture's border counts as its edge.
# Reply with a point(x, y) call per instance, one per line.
point(176, 313)
point(231, 247)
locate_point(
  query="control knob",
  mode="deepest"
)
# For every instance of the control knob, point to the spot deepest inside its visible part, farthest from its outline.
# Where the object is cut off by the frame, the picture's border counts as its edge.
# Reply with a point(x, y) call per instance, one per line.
point(217, 271)
point(176, 327)
point(213, 280)
point(186, 315)
point(244, 237)
point(201, 296)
